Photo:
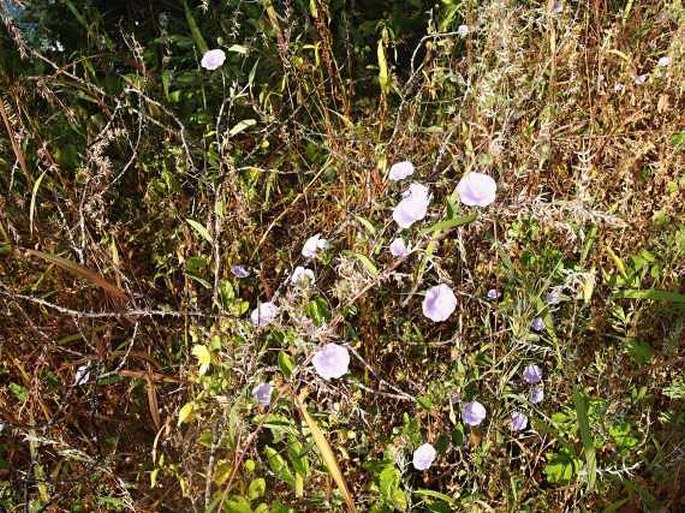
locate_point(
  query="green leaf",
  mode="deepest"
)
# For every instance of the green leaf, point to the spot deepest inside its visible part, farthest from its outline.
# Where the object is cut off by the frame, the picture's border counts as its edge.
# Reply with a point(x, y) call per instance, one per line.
point(586, 437)
point(367, 263)
point(435, 495)
point(194, 29)
point(285, 363)
point(200, 229)
point(19, 391)
point(238, 505)
point(239, 49)
point(256, 489)
point(279, 466)
point(240, 127)
point(448, 224)
point(640, 352)
point(656, 295)
point(391, 493)
point(562, 466)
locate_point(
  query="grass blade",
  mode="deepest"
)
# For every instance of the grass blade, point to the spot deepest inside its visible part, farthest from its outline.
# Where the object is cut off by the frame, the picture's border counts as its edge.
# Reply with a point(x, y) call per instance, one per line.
point(586, 437)
point(34, 193)
point(83, 272)
point(656, 295)
point(327, 454)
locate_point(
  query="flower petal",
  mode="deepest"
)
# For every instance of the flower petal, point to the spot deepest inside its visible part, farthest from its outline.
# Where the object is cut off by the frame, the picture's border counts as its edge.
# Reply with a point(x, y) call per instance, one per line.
point(439, 303)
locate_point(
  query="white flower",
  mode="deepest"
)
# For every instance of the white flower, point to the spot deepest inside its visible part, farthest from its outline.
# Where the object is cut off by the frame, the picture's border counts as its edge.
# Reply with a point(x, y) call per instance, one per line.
point(213, 59)
point(423, 457)
point(618, 87)
point(302, 277)
point(463, 30)
point(473, 413)
point(398, 248)
point(331, 361)
point(413, 206)
point(401, 170)
point(82, 375)
point(262, 393)
point(640, 79)
point(264, 314)
point(439, 303)
point(477, 190)
point(664, 62)
point(312, 245)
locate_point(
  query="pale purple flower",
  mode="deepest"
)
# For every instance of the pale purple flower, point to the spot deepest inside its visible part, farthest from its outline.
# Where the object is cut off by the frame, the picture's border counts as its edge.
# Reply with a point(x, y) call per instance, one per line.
point(463, 30)
point(618, 87)
point(439, 303)
point(423, 457)
point(302, 277)
point(473, 413)
point(493, 294)
point(213, 59)
point(536, 394)
point(401, 170)
point(398, 248)
point(532, 374)
point(262, 393)
point(537, 325)
point(82, 375)
point(664, 62)
point(312, 245)
point(240, 271)
point(413, 206)
point(477, 190)
point(264, 314)
point(519, 421)
point(331, 361)
point(553, 297)
point(640, 79)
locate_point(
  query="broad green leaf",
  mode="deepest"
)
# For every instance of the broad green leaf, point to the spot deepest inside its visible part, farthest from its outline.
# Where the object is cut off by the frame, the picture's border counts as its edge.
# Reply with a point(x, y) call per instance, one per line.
point(367, 263)
point(238, 505)
point(285, 363)
point(562, 466)
point(279, 466)
point(257, 488)
point(200, 229)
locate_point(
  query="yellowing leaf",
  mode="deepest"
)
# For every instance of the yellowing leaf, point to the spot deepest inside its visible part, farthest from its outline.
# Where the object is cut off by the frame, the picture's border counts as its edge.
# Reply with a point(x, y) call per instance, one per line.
point(327, 455)
point(186, 412)
point(383, 75)
point(204, 357)
point(200, 229)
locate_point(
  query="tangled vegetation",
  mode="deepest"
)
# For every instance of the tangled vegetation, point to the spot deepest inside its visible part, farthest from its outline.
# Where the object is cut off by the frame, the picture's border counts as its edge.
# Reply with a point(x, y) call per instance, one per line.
point(279, 277)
